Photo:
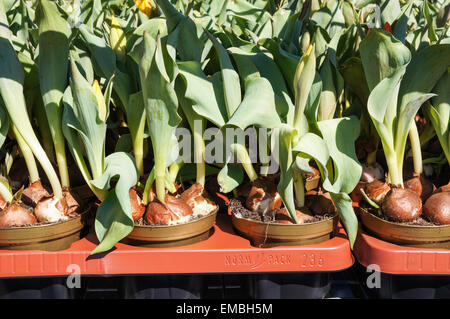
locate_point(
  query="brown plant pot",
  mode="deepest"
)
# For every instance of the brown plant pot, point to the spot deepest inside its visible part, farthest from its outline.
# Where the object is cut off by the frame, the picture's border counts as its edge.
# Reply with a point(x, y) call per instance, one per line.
point(265, 235)
point(173, 235)
point(48, 237)
point(312, 183)
point(406, 235)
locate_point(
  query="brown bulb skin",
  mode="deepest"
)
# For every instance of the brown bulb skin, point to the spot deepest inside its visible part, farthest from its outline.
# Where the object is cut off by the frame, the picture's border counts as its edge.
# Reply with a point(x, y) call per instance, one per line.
point(377, 190)
point(72, 201)
point(303, 215)
point(444, 188)
point(420, 185)
point(402, 205)
point(137, 208)
point(261, 195)
point(17, 214)
point(162, 214)
point(34, 193)
point(437, 208)
point(192, 194)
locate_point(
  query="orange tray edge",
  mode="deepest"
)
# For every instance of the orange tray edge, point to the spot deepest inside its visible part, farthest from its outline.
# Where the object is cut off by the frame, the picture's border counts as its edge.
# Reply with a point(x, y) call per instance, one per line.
point(223, 252)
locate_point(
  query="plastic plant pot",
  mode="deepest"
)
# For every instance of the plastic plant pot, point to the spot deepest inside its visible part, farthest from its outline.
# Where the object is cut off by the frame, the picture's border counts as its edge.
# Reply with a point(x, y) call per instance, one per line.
point(406, 235)
point(223, 252)
point(174, 235)
point(48, 237)
point(271, 234)
point(404, 272)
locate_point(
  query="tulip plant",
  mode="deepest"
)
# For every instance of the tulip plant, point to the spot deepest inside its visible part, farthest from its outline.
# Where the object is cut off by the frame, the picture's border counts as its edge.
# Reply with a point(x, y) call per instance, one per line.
point(99, 89)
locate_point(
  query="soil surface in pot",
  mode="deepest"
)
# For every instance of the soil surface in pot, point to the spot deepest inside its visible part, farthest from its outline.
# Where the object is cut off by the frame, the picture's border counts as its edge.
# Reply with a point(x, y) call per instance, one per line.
point(421, 221)
point(238, 209)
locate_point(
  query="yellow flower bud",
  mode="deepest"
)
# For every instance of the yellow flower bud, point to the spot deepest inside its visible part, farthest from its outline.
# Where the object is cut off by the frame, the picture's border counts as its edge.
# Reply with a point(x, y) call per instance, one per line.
point(101, 104)
point(145, 6)
point(117, 39)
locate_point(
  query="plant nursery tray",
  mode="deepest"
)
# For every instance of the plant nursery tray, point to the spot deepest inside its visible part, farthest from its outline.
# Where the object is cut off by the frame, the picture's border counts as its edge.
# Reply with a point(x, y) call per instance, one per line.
point(396, 259)
point(223, 252)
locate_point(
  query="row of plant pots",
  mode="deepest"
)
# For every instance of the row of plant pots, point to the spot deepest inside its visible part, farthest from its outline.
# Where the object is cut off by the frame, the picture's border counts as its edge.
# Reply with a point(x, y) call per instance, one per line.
point(346, 108)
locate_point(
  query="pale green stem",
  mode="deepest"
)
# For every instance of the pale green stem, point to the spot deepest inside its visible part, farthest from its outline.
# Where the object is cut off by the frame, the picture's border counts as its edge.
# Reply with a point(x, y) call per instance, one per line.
point(415, 148)
point(160, 176)
point(148, 186)
point(138, 151)
point(245, 160)
point(299, 188)
point(264, 170)
point(199, 146)
point(60, 153)
point(44, 129)
point(371, 158)
point(27, 154)
point(395, 172)
point(174, 169)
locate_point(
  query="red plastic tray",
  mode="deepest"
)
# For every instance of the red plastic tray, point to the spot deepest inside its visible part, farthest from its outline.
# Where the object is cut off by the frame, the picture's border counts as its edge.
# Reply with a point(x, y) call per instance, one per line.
point(395, 259)
point(223, 252)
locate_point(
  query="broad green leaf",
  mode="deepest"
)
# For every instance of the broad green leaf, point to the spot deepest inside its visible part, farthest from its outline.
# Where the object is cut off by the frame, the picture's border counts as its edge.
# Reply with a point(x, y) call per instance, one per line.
point(11, 91)
point(340, 136)
point(230, 78)
point(205, 93)
point(400, 26)
point(4, 123)
point(441, 103)
point(268, 69)
point(303, 80)
point(347, 215)
point(390, 10)
point(114, 220)
point(311, 146)
point(230, 177)
point(354, 78)
point(430, 24)
point(329, 17)
point(258, 105)
point(92, 128)
point(312, 103)
point(136, 119)
point(382, 55)
point(426, 68)
point(71, 128)
point(285, 61)
point(282, 140)
point(161, 105)
point(104, 61)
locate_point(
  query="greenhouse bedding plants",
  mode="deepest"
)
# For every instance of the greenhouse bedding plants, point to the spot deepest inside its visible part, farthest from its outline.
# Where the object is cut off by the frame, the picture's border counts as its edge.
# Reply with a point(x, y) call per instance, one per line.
point(404, 205)
point(117, 85)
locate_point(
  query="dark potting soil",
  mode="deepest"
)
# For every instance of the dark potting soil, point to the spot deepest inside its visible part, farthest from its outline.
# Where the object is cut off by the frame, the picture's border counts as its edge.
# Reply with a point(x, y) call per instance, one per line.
point(237, 207)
